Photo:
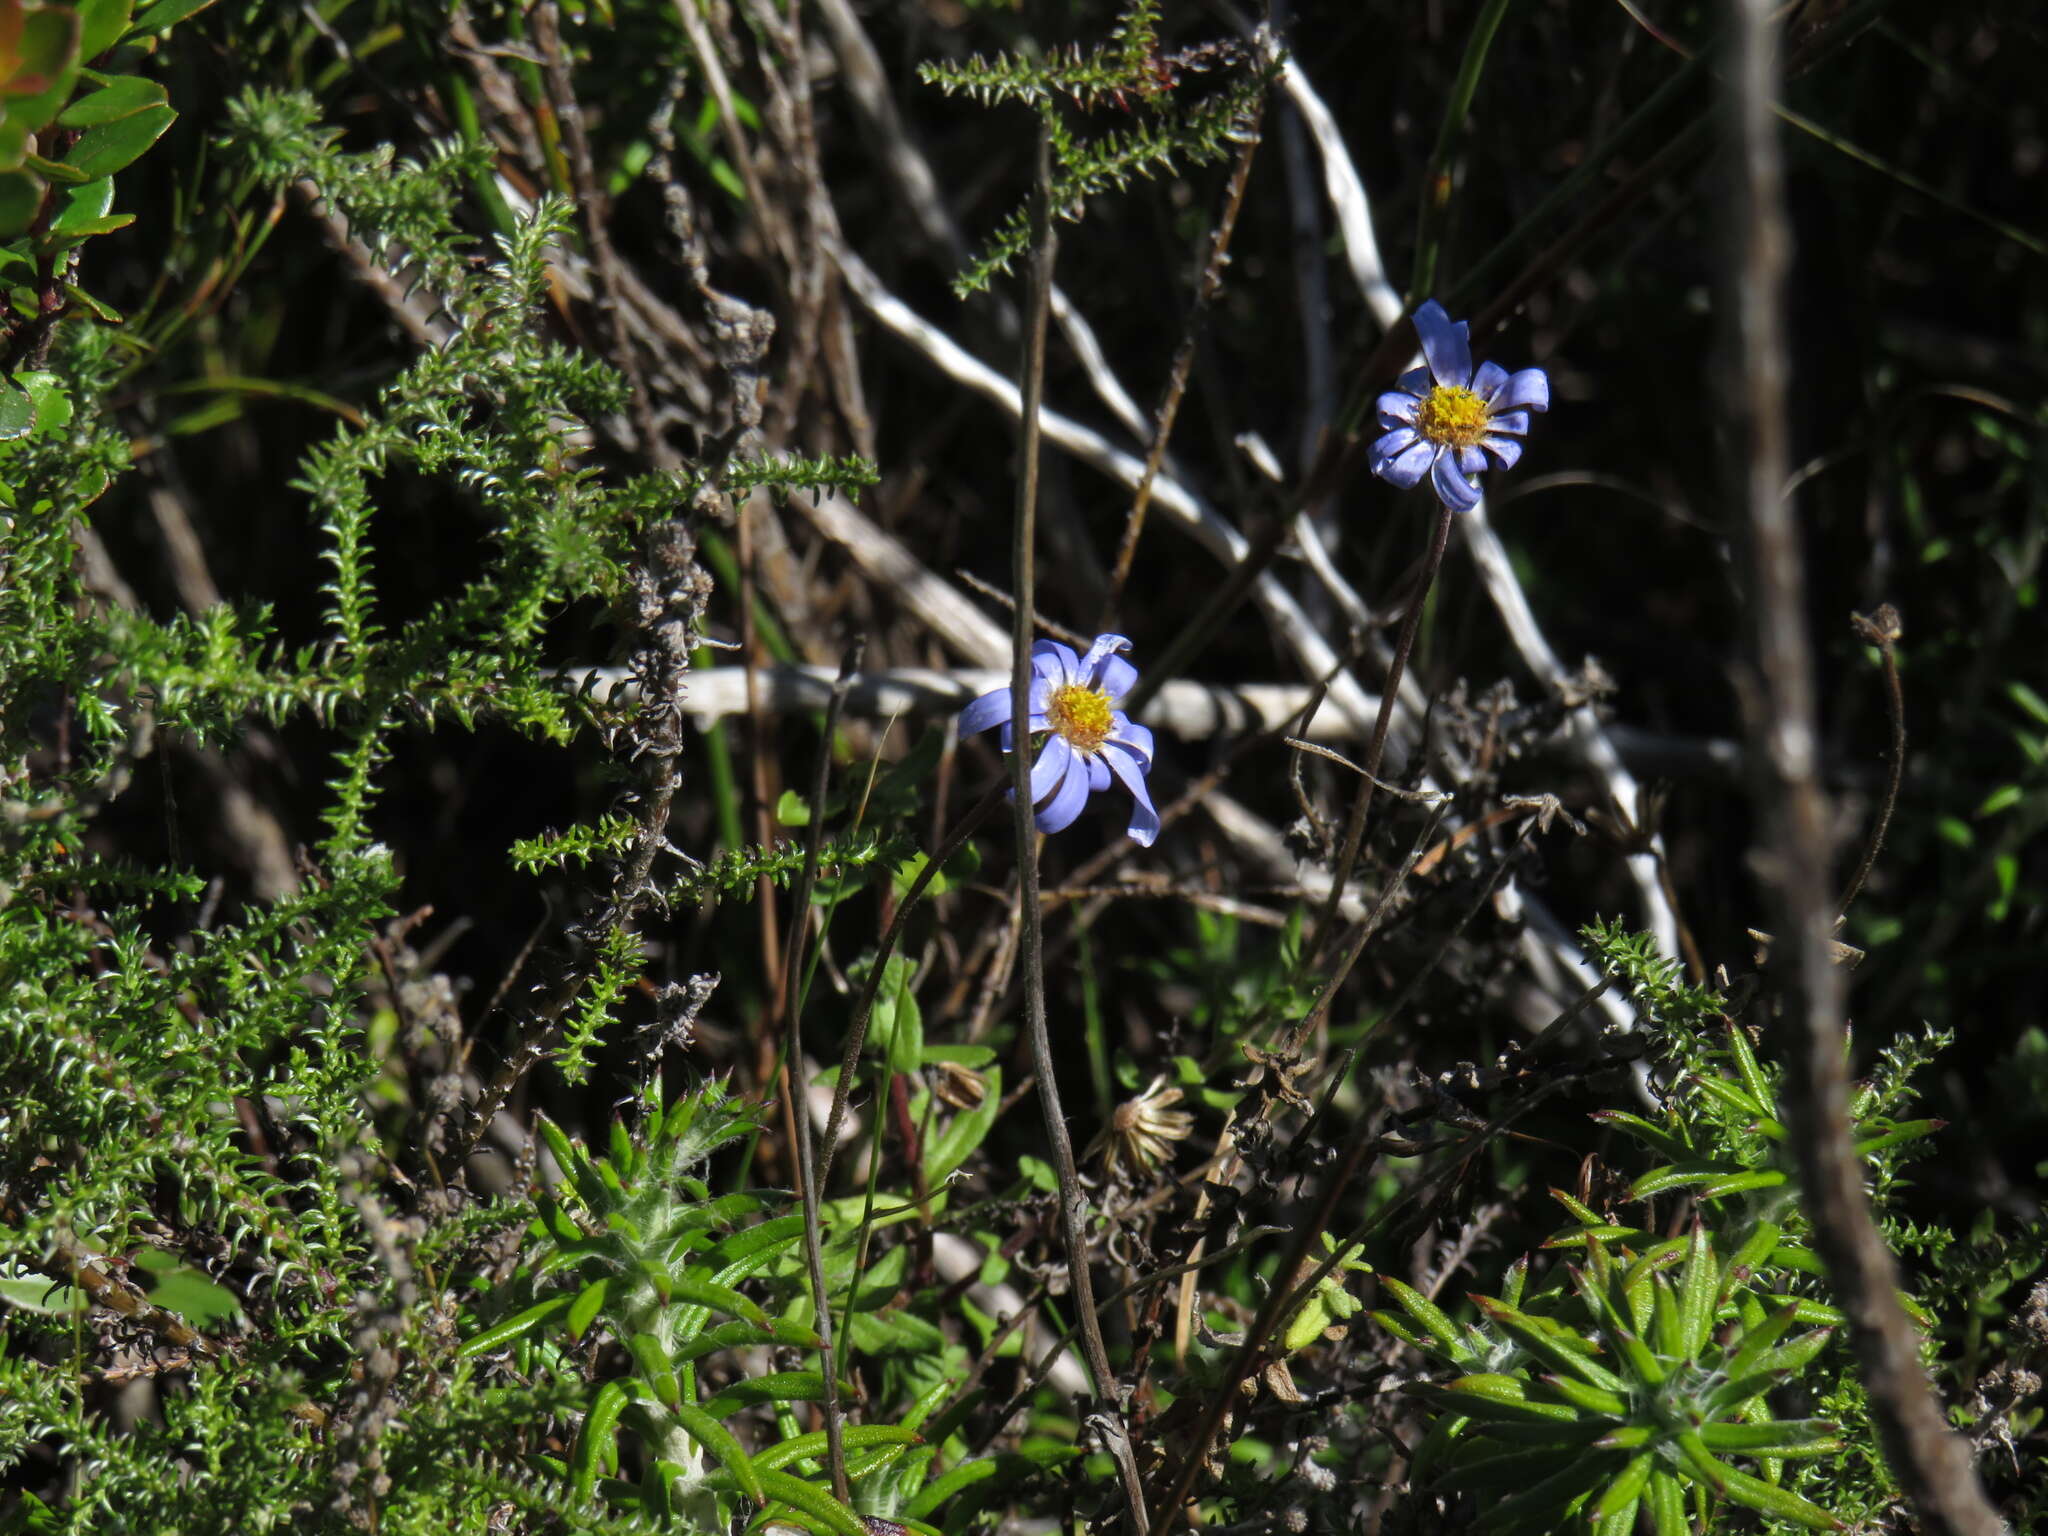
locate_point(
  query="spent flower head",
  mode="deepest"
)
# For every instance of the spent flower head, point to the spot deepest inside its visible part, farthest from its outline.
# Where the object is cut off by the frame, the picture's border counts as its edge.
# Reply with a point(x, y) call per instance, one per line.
point(1446, 417)
point(1086, 739)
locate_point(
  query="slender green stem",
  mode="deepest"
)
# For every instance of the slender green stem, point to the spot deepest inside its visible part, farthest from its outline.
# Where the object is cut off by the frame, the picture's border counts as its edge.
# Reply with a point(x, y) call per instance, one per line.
point(1436, 184)
point(1031, 944)
point(792, 1069)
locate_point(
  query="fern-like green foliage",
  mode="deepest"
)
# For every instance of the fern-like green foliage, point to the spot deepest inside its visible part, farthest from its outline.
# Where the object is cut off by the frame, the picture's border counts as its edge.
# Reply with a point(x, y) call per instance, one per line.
point(1171, 124)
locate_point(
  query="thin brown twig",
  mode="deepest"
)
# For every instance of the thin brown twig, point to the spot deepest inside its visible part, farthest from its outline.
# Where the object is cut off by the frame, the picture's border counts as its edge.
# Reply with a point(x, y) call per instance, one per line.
point(1932, 1463)
point(1183, 360)
point(1354, 827)
point(561, 84)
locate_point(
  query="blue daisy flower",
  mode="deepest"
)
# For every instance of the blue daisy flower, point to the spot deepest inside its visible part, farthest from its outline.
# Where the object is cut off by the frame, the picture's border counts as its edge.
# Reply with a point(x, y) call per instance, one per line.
point(1447, 417)
point(1086, 740)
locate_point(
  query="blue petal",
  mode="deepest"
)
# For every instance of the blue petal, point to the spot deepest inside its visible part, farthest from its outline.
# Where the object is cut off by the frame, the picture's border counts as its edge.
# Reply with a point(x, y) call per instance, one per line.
point(1144, 825)
point(1054, 662)
point(990, 709)
point(1487, 381)
point(1051, 767)
point(1395, 443)
point(1530, 388)
point(1415, 381)
point(1105, 646)
point(1444, 345)
point(1516, 422)
point(1066, 804)
point(1397, 408)
point(1456, 492)
point(1098, 773)
point(1407, 466)
point(1471, 461)
point(1131, 736)
point(1119, 677)
point(1505, 449)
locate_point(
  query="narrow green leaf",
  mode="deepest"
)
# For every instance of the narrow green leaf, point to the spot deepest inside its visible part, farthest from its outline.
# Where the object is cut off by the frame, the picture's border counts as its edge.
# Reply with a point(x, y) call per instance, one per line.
point(1627, 1487)
point(1575, 1357)
point(656, 1370)
point(775, 1387)
point(1433, 1319)
point(702, 1426)
point(1746, 1064)
point(514, 1327)
point(1583, 1395)
point(1757, 1341)
point(1667, 1505)
point(1773, 1437)
point(588, 1303)
point(1778, 1503)
point(813, 1501)
point(1699, 1287)
point(854, 1436)
point(594, 1441)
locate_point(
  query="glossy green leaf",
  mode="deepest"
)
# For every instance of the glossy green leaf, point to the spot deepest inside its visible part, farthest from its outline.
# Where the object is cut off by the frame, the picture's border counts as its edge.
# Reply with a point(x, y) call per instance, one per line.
point(21, 199)
point(124, 97)
point(115, 146)
point(17, 412)
point(594, 1442)
point(775, 1387)
point(100, 25)
point(588, 1303)
point(164, 15)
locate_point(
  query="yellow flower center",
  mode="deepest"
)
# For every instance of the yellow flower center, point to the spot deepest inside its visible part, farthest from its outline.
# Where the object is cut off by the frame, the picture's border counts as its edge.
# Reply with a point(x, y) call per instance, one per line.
point(1080, 715)
point(1453, 417)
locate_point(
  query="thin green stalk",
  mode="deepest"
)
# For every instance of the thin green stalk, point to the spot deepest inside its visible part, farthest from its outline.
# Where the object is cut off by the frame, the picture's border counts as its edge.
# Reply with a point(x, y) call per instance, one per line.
point(1436, 183)
point(1031, 943)
point(792, 1069)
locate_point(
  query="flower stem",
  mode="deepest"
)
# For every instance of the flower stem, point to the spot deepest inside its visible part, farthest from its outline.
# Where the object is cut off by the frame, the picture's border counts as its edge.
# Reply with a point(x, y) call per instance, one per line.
point(1354, 826)
point(1073, 1199)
